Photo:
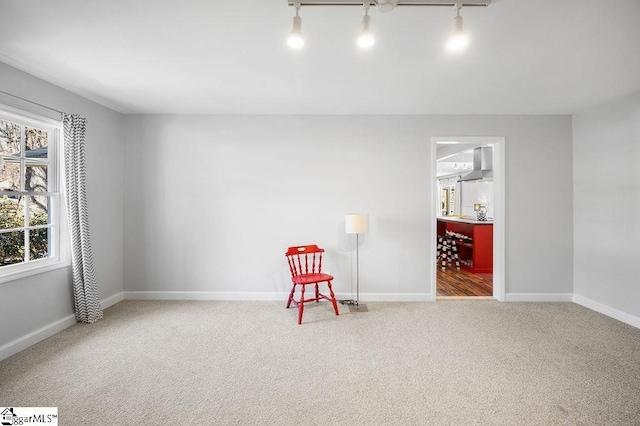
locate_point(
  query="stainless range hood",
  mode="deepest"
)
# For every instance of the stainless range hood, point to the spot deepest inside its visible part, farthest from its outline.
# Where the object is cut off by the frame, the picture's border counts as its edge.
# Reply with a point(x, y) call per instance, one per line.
point(482, 165)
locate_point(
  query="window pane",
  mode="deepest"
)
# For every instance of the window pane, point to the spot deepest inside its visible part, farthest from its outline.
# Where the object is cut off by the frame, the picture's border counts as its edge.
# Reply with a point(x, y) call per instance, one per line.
point(39, 243)
point(39, 211)
point(11, 247)
point(10, 176)
point(35, 178)
point(11, 212)
point(9, 139)
point(36, 143)
point(27, 221)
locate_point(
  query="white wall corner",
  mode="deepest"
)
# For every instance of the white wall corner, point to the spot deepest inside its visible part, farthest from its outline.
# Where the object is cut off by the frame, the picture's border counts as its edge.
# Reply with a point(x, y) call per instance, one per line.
point(539, 297)
point(112, 300)
point(606, 310)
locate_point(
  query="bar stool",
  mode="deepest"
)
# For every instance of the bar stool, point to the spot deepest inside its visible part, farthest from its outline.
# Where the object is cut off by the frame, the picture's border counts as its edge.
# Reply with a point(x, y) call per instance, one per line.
point(448, 251)
point(440, 247)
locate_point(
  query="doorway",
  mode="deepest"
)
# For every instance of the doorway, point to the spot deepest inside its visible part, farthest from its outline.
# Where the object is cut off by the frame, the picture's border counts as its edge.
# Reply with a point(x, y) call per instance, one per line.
point(468, 187)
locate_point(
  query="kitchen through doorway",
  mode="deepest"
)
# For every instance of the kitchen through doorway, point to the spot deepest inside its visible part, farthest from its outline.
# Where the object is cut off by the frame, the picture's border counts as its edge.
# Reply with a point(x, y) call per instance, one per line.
point(468, 187)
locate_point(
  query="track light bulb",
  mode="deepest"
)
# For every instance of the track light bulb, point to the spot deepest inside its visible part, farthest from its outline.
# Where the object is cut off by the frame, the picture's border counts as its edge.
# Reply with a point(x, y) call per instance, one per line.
point(459, 38)
point(295, 39)
point(366, 38)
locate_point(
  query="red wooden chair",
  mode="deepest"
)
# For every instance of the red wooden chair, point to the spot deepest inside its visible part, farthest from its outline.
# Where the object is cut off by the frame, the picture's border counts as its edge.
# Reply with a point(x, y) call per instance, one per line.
point(305, 264)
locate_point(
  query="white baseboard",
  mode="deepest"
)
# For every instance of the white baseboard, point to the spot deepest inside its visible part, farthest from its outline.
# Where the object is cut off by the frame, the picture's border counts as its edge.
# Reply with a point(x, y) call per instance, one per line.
point(205, 295)
point(39, 335)
point(539, 297)
point(266, 296)
point(391, 297)
point(606, 310)
point(34, 337)
point(112, 300)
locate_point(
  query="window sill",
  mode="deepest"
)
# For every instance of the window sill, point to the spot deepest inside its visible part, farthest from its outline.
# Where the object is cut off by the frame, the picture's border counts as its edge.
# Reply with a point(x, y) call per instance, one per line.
point(23, 273)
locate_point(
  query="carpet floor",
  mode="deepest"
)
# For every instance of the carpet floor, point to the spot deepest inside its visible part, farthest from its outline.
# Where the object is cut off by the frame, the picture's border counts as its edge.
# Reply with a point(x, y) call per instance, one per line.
point(249, 363)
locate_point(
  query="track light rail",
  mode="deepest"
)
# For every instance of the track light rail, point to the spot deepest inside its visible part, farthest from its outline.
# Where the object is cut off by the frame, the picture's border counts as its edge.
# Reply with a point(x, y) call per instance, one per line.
point(400, 3)
point(457, 41)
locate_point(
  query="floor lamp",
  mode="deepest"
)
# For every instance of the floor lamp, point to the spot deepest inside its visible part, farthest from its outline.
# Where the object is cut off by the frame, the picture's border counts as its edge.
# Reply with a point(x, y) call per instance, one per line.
point(356, 223)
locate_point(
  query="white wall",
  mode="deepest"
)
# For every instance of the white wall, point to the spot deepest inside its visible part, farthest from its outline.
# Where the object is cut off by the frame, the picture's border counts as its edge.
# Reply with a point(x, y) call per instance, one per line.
point(476, 192)
point(212, 202)
point(38, 301)
point(606, 153)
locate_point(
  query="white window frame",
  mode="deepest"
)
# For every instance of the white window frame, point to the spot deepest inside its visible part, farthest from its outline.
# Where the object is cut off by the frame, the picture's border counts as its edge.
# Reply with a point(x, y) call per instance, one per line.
point(58, 256)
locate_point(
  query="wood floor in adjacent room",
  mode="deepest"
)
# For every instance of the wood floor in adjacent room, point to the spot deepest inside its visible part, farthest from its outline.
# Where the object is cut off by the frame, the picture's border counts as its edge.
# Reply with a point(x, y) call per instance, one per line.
point(458, 282)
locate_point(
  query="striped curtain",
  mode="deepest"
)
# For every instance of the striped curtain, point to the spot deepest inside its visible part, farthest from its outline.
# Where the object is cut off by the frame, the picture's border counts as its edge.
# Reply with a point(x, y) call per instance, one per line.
point(85, 287)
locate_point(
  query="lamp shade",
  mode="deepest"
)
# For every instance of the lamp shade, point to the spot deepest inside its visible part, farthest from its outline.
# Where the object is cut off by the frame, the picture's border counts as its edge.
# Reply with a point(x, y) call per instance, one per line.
point(356, 223)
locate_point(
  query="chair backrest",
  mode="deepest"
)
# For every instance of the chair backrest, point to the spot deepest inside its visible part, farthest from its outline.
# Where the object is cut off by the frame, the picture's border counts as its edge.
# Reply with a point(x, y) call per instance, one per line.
point(304, 259)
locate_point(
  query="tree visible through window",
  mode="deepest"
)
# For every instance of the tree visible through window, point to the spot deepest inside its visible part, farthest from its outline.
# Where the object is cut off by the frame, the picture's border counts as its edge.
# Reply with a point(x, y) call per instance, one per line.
point(28, 191)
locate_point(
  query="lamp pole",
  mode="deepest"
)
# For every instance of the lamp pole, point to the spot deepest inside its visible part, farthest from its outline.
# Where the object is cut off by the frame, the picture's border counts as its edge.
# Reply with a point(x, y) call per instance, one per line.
point(357, 270)
point(356, 223)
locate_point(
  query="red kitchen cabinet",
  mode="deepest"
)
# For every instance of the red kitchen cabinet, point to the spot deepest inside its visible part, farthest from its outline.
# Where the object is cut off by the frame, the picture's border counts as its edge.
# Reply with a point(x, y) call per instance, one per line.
point(476, 255)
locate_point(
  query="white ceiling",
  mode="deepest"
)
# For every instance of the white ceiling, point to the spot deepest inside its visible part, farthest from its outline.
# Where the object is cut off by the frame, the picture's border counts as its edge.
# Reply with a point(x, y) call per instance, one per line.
point(230, 57)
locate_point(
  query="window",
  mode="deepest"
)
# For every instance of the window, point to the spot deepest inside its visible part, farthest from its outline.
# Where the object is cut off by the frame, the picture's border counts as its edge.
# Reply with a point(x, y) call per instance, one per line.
point(29, 194)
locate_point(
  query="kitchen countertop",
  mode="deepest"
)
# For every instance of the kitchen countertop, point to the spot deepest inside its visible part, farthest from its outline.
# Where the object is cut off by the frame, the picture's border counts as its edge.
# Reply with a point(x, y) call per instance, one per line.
point(465, 220)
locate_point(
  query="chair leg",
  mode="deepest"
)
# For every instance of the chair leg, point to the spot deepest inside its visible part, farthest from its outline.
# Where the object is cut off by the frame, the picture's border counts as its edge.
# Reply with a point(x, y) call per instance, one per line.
point(293, 289)
point(317, 294)
point(333, 298)
point(301, 306)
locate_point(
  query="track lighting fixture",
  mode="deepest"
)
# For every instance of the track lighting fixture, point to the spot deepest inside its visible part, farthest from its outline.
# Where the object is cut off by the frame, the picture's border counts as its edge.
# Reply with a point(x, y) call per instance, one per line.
point(295, 39)
point(459, 38)
point(386, 5)
point(366, 39)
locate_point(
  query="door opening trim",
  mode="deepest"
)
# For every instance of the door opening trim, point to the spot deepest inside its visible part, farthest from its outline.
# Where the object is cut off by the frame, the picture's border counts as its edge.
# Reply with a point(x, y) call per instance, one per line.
point(499, 216)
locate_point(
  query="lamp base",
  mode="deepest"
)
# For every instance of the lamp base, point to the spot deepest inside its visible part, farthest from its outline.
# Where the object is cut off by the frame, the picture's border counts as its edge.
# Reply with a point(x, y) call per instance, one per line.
point(358, 308)
point(354, 305)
